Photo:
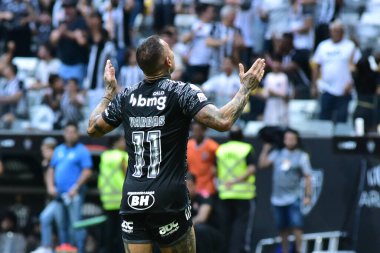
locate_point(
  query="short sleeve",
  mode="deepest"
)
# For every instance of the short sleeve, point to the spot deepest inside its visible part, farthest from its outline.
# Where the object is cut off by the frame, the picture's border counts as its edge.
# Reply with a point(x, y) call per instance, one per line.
point(53, 161)
point(305, 164)
point(317, 58)
point(273, 155)
point(86, 160)
point(112, 114)
point(192, 99)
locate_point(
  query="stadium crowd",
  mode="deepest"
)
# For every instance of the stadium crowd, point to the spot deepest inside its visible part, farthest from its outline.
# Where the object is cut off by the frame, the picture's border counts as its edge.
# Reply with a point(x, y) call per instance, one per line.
point(53, 54)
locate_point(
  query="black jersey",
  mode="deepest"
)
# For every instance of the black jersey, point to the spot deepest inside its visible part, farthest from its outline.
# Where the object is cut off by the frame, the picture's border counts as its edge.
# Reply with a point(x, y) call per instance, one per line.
point(156, 119)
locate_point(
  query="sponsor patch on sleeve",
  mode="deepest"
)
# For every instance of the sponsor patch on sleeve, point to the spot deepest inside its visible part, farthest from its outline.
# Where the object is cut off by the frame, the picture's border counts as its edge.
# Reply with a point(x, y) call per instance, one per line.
point(201, 97)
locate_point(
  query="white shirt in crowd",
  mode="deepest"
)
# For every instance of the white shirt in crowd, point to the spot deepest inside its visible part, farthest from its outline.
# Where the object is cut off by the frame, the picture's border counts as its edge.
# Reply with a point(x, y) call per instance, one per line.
point(276, 108)
point(301, 40)
point(222, 88)
point(200, 53)
point(278, 17)
point(334, 59)
point(45, 68)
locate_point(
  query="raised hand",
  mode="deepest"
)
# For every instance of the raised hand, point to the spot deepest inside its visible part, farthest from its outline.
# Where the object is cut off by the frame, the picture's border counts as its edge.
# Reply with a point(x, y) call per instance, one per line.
point(253, 76)
point(109, 78)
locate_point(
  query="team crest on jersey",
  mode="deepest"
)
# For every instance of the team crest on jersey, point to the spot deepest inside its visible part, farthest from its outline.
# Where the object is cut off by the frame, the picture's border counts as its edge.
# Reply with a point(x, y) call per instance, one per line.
point(141, 200)
point(316, 183)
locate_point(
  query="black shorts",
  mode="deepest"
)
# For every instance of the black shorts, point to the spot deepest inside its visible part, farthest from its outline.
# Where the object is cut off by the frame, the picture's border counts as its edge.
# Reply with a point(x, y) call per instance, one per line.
point(164, 228)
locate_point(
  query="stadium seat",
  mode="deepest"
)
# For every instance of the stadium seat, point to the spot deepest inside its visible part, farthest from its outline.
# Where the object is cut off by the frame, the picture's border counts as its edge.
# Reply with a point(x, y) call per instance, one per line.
point(252, 128)
point(43, 118)
point(321, 128)
point(25, 65)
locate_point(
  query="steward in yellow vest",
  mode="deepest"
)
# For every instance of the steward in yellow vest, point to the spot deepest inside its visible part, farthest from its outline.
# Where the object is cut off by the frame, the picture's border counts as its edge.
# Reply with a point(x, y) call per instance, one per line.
point(112, 168)
point(112, 171)
point(236, 189)
point(235, 170)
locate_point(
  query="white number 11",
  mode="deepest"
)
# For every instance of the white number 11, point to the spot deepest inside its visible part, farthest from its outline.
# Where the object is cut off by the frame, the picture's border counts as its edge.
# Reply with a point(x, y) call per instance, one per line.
point(154, 139)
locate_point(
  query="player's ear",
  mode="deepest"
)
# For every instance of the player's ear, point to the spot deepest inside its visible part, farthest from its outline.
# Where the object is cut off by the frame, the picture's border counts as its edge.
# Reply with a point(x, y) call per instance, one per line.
point(168, 61)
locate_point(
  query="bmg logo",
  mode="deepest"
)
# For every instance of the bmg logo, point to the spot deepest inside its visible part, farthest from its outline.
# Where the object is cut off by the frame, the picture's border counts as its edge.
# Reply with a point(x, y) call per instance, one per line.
point(140, 101)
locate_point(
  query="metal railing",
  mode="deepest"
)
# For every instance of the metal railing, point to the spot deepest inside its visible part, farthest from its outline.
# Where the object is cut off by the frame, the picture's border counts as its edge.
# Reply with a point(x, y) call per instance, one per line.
point(318, 239)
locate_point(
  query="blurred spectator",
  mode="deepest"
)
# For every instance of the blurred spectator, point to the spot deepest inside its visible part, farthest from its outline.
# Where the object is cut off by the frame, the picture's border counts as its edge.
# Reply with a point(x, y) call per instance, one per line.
point(295, 63)
point(200, 55)
point(236, 188)
point(113, 167)
point(11, 93)
point(69, 170)
point(7, 57)
point(52, 98)
point(71, 41)
point(222, 87)
point(113, 19)
point(290, 166)
point(47, 148)
point(277, 92)
point(58, 13)
point(208, 239)
point(334, 56)
point(169, 35)
point(44, 23)
point(251, 28)
point(276, 14)
point(17, 16)
point(71, 103)
point(226, 39)
point(1, 166)
point(46, 66)
point(366, 82)
point(326, 12)
point(22, 212)
point(130, 73)
point(201, 159)
point(11, 241)
point(301, 26)
point(101, 49)
point(163, 14)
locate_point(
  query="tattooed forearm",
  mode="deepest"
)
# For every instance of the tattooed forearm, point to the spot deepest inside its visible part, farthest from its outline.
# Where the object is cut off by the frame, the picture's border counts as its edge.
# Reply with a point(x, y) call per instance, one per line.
point(235, 107)
point(222, 119)
point(93, 128)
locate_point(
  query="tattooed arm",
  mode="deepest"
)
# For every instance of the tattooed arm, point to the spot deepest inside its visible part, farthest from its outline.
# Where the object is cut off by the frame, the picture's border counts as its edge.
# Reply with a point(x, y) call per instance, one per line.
point(96, 125)
point(222, 119)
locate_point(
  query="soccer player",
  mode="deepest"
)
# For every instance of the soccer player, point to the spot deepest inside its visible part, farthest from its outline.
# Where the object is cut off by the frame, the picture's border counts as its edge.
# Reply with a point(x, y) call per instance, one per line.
point(156, 114)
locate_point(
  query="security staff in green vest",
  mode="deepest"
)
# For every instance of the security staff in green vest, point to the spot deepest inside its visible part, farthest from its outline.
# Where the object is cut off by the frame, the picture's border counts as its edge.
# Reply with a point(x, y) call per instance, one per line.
point(112, 171)
point(236, 188)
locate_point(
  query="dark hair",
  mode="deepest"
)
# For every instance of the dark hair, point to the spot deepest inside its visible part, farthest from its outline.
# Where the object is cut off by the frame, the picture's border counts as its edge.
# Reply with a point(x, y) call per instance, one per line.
point(48, 48)
point(236, 134)
point(288, 36)
point(128, 54)
point(74, 80)
point(296, 133)
point(277, 57)
point(53, 78)
point(201, 7)
point(149, 55)
point(73, 124)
